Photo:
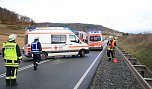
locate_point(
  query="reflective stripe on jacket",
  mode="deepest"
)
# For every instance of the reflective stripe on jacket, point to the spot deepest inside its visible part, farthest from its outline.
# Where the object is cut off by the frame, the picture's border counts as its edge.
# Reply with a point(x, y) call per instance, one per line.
point(10, 54)
point(36, 47)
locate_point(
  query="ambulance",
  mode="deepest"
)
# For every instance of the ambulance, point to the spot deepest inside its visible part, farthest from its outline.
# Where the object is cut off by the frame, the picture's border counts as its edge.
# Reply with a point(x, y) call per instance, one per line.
point(82, 35)
point(55, 41)
point(95, 40)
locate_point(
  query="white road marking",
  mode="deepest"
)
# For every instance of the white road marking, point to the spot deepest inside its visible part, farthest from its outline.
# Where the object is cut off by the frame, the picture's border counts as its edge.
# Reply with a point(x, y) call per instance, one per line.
point(85, 74)
point(2, 75)
point(23, 68)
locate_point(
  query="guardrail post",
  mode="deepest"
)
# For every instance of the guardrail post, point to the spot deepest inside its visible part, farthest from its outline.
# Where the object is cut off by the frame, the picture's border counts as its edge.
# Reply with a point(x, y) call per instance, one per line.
point(123, 51)
point(149, 81)
point(135, 69)
point(133, 61)
point(142, 74)
point(127, 56)
point(140, 69)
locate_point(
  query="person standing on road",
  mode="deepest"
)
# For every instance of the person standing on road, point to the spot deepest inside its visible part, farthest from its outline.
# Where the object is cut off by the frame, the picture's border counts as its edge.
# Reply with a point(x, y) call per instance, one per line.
point(12, 57)
point(111, 44)
point(114, 46)
point(36, 51)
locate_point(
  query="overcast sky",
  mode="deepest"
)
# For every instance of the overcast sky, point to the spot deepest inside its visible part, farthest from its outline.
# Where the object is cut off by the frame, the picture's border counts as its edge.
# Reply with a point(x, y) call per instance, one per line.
point(133, 16)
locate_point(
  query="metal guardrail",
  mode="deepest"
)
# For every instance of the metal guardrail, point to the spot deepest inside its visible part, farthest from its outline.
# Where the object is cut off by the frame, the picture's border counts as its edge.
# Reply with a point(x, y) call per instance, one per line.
point(137, 75)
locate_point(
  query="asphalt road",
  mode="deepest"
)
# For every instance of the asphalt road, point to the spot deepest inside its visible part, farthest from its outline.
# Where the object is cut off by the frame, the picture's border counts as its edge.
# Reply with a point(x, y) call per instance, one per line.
point(58, 73)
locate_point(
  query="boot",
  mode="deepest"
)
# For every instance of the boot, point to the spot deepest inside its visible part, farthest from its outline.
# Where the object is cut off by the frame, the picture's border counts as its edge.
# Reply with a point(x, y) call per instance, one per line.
point(35, 65)
point(109, 58)
point(13, 82)
point(8, 82)
point(35, 68)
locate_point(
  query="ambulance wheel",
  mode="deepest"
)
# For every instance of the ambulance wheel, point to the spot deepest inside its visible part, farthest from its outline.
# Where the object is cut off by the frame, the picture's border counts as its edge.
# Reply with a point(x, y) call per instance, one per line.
point(43, 56)
point(73, 55)
point(82, 53)
point(101, 48)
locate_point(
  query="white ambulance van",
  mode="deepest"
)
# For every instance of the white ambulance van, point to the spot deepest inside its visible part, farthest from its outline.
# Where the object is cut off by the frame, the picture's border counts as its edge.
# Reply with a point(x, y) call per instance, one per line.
point(95, 40)
point(55, 41)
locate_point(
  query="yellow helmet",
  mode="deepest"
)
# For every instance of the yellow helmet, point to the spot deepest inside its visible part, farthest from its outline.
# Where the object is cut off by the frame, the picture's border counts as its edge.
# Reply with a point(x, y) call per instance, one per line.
point(12, 37)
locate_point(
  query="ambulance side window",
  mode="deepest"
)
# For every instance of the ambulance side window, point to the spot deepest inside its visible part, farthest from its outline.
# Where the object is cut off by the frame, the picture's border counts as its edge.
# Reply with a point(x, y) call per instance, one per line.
point(74, 39)
point(58, 39)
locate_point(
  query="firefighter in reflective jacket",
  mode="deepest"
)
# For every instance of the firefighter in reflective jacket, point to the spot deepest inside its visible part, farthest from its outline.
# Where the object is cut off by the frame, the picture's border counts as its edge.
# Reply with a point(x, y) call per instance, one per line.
point(111, 44)
point(36, 51)
point(12, 57)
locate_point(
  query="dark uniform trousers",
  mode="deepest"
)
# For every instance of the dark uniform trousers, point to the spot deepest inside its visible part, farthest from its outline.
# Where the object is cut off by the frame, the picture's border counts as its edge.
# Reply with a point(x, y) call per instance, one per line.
point(36, 60)
point(110, 52)
point(11, 73)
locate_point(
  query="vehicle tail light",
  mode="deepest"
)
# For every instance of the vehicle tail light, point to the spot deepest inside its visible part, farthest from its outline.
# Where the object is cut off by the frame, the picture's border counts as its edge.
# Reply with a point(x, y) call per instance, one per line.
point(29, 45)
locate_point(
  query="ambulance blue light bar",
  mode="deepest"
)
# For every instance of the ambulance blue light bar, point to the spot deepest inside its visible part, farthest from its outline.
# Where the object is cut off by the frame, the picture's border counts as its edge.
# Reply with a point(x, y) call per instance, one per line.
point(95, 31)
point(30, 27)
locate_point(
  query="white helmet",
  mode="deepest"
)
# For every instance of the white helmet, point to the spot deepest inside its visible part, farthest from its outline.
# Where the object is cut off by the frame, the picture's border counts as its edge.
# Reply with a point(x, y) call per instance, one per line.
point(12, 37)
point(110, 37)
point(36, 37)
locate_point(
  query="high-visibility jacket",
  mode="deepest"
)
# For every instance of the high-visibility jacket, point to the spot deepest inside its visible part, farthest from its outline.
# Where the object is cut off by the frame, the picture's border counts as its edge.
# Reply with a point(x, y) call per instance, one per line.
point(111, 45)
point(10, 54)
point(36, 47)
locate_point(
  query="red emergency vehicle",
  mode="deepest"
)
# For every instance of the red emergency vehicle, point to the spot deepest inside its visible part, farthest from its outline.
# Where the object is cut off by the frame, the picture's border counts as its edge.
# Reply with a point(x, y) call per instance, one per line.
point(82, 35)
point(95, 40)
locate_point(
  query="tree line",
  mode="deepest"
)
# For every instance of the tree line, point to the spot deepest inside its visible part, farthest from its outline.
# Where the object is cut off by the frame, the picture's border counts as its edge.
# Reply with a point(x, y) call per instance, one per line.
point(12, 18)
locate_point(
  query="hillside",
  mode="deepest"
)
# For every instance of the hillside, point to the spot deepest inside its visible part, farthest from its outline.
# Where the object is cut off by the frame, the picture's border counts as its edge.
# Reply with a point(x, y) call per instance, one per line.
point(5, 31)
point(12, 18)
point(78, 26)
point(11, 22)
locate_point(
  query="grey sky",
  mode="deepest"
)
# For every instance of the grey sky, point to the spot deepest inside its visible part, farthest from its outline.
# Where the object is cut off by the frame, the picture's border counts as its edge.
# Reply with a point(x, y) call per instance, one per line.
point(122, 15)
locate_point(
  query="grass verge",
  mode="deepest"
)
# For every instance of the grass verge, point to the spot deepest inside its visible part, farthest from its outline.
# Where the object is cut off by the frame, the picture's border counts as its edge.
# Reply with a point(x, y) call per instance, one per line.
point(5, 32)
point(140, 46)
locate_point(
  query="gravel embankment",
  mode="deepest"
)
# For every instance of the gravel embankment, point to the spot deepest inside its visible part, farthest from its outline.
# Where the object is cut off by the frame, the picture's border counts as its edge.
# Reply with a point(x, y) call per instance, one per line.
point(110, 75)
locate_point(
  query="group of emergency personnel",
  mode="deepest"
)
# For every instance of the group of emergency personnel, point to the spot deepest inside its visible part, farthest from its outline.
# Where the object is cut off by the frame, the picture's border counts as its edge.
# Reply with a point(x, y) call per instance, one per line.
point(13, 57)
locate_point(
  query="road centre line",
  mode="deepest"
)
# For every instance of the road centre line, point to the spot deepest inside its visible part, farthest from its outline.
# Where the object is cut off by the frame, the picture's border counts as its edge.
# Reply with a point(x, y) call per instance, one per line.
point(85, 74)
point(23, 68)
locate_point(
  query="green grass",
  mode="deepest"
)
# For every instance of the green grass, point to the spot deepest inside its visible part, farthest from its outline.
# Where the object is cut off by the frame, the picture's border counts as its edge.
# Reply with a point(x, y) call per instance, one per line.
point(140, 46)
point(5, 31)
point(3, 26)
